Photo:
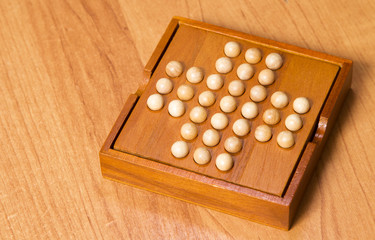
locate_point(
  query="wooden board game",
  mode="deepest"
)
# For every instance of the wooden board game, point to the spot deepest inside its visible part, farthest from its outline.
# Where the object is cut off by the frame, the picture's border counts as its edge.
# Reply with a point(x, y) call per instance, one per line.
point(264, 181)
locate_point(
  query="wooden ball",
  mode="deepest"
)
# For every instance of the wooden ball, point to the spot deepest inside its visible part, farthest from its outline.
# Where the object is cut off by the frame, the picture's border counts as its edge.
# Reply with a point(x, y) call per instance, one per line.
point(274, 61)
point(176, 108)
point(245, 71)
point(202, 156)
point(211, 138)
point(293, 122)
point(155, 102)
point(266, 77)
point(224, 162)
point(189, 131)
point(279, 99)
point(271, 116)
point(198, 114)
point(236, 88)
point(249, 110)
point(233, 144)
point(285, 139)
point(301, 105)
point(253, 55)
point(194, 75)
point(241, 127)
point(164, 86)
point(174, 69)
point(215, 81)
point(185, 92)
point(263, 133)
point(219, 121)
point(206, 98)
point(258, 93)
point(228, 104)
point(180, 149)
point(232, 49)
point(224, 65)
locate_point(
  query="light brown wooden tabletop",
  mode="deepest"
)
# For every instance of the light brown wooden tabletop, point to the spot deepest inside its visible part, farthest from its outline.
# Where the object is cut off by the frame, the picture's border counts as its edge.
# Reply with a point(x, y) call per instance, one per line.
point(66, 70)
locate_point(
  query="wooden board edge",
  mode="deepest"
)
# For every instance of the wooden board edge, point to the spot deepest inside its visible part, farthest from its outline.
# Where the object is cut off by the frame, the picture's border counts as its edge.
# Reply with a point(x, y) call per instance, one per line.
point(313, 150)
point(197, 192)
point(187, 174)
point(301, 178)
point(158, 54)
point(161, 47)
point(334, 102)
point(126, 110)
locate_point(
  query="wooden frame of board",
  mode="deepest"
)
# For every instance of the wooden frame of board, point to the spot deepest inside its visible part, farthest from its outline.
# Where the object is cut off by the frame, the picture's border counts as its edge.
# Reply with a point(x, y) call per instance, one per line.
point(276, 210)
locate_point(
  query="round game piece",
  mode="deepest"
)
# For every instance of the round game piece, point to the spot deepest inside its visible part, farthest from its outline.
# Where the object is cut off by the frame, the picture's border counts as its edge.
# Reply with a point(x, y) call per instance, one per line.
point(198, 114)
point(155, 102)
point(293, 122)
point(180, 149)
point(233, 144)
point(241, 127)
point(224, 162)
point(279, 99)
point(236, 88)
point(253, 55)
point(219, 121)
point(266, 77)
point(202, 156)
point(164, 86)
point(271, 116)
point(185, 92)
point(263, 133)
point(301, 105)
point(174, 69)
point(245, 71)
point(274, 61)
point(194, 75)
point(215, 81)
point(176, 108)
point(224, 65)
point(285, 139)
point(211, 138)
point(258, 93)
point(206, 98)
point(189, 131)
point(249, 110)
point(228, 104)
point(232, 49)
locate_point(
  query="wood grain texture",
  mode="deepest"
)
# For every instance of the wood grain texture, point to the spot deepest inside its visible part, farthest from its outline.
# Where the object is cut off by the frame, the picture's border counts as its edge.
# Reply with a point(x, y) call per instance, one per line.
point(66, 70)
point(151, 134)
point(123, 158)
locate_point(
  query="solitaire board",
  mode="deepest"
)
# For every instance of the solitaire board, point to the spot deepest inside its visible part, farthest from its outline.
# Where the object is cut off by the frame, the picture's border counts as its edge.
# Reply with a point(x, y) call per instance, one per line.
point(265, 181)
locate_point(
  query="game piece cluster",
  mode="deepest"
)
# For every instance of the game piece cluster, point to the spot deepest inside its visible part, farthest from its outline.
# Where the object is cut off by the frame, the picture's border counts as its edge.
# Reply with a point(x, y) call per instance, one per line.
point(219, 121)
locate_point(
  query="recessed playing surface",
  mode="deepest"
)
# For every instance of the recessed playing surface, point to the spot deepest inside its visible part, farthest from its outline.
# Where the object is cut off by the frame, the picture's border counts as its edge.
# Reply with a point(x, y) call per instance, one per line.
point(245, 111)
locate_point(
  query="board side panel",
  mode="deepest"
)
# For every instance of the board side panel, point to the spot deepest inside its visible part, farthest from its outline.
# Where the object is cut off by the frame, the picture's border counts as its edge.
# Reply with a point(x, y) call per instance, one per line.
point(210, 196)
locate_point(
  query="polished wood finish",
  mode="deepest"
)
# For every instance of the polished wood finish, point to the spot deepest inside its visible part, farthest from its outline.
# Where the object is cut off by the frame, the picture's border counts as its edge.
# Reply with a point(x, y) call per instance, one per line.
point(141, 150)
point(67, 68)
point(151, 134)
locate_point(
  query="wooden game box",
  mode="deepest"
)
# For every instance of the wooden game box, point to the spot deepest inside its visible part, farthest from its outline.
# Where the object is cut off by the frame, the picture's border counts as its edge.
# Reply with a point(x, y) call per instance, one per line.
point(266, 182)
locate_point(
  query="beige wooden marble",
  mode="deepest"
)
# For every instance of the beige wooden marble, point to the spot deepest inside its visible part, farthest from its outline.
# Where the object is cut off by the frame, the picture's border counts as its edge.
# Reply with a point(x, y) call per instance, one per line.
point(66, 69)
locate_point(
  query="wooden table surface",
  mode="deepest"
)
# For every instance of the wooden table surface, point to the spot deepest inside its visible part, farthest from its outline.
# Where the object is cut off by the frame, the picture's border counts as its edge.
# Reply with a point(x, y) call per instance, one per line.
point(66, 69)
